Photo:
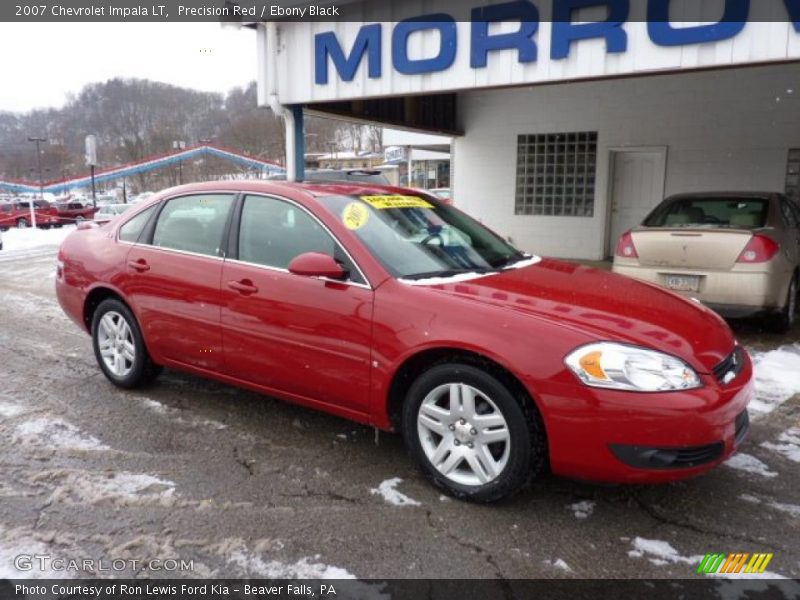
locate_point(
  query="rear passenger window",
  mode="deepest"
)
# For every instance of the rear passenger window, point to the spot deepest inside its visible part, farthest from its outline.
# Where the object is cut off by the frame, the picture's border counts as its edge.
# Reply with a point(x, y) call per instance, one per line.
point(273, 232)
point(194, 223)
point(131, 230)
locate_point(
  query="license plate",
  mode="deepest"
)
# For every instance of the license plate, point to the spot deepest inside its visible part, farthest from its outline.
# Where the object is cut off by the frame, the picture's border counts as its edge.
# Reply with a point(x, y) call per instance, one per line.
point(683, 283)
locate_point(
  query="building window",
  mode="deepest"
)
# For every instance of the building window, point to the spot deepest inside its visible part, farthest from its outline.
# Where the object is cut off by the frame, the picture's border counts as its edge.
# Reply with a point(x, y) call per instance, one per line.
point(556, 174)
point(793, 174)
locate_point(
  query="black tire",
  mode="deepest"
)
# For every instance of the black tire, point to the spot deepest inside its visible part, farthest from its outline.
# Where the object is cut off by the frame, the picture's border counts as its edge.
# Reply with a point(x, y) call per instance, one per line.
point(143, 370)
point(527, 453)
point(784, 320)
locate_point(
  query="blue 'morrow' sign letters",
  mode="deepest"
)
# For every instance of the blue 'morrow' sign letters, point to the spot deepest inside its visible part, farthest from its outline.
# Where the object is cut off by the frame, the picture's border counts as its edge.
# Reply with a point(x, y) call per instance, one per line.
point(524, 12)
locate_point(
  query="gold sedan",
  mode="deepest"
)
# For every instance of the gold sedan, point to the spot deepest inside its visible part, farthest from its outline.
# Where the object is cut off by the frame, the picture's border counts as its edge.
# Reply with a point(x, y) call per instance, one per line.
point(738, 253)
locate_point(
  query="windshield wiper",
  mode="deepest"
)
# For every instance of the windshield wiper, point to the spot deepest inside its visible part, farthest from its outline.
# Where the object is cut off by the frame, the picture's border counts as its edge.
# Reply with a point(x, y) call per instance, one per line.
point(449, 273)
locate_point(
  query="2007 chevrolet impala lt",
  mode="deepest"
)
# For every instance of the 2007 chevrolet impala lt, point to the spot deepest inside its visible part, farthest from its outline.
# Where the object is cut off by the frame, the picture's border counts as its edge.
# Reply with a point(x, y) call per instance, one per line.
point(386, 306)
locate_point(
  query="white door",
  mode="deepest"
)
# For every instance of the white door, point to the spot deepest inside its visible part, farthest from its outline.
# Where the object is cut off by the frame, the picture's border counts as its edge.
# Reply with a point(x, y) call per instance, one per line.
point(637, 186)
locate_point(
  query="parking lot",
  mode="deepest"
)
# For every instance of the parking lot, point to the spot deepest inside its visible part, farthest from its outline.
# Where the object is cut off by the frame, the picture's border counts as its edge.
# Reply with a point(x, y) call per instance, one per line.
point(238, 484)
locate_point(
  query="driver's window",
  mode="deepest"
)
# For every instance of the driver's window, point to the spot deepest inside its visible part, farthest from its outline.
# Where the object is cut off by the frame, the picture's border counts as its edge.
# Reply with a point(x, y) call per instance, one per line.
point(273, 232)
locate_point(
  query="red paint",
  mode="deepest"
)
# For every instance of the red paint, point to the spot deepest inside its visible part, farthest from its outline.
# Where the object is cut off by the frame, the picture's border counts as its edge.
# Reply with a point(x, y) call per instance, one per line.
point(337, 347)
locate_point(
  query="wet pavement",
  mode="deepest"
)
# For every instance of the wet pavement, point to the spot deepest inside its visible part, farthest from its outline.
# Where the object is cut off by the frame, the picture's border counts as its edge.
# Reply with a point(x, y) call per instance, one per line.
point(244, 485)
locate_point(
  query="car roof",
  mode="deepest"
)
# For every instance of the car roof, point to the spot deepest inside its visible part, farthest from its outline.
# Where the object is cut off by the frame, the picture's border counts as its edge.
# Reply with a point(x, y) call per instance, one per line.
point(315, 189)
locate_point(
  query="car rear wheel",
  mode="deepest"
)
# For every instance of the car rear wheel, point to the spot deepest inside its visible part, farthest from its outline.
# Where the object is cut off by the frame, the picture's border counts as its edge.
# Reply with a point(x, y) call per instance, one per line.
point(470, 435)
point(22, 223)
point(784, 320)
point(119, 346)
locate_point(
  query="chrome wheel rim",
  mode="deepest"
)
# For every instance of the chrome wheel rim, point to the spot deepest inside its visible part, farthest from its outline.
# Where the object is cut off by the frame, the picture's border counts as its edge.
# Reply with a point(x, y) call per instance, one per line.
point(464, 434)
point(115, 341)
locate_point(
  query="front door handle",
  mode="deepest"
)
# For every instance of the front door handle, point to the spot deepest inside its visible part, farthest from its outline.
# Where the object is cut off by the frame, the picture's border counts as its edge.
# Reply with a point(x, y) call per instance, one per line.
point(139, 265)
point(245, 286)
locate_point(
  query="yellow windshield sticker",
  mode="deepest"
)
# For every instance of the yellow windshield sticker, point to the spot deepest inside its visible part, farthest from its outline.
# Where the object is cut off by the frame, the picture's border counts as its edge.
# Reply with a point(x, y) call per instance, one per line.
point(396, 201)
point(355, 215)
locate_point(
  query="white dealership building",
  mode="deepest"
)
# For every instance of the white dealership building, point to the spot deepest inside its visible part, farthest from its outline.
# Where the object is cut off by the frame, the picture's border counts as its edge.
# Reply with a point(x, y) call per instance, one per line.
point(570, 119)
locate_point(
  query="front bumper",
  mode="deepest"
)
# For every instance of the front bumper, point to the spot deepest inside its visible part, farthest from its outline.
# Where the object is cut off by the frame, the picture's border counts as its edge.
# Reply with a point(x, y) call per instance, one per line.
point(627, 437)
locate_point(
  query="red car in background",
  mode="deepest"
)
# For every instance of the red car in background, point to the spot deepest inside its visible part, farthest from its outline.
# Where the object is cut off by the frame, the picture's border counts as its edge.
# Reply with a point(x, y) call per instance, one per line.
point(391, 308)
point(18, 214)
point(75, 212)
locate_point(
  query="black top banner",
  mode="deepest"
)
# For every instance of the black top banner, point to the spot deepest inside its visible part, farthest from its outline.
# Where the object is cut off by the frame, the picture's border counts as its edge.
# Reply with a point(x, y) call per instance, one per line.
point(249, 11)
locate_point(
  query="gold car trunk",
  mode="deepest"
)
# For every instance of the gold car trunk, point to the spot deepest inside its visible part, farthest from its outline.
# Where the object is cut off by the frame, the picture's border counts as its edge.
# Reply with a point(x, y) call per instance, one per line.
point(684, 248)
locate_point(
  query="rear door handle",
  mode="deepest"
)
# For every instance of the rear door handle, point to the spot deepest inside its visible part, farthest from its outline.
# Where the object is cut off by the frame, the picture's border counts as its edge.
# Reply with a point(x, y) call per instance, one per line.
point(139, 265)
point(245, 286)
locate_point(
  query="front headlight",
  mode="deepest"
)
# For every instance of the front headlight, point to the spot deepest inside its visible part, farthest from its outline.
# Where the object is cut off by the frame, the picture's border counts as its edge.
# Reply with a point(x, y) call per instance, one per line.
point(621, 367)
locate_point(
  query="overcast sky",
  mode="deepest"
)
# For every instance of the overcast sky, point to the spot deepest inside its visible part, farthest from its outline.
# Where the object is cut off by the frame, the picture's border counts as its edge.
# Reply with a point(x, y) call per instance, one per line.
point(42, 62)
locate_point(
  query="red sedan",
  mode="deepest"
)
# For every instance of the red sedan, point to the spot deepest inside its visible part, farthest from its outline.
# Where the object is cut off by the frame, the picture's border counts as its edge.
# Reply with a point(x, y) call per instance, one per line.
point(395, 310)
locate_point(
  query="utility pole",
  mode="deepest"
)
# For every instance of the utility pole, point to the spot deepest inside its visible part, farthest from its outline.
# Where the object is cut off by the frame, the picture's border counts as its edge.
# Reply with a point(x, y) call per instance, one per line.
point(38, 141)
point(179, 145)
point(91, 160)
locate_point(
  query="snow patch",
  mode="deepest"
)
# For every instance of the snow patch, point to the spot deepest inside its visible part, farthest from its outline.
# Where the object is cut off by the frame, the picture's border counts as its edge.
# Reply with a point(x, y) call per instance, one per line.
point(737, 588)
point(776, 378)
point(659, 552)
point(155, 406)
point(8, 410)
point(56, 434)
point(749, 464)
point(17, 241)
point(121, 488)
point(582, 509)
point(17, 541)
point(558, 564)
point(789, 446)
point(791, 509)
point(391, 495)
point(253, 565)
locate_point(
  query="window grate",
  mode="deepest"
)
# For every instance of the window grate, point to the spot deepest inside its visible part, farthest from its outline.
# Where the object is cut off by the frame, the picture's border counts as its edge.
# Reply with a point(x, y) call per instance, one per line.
point(556, 174)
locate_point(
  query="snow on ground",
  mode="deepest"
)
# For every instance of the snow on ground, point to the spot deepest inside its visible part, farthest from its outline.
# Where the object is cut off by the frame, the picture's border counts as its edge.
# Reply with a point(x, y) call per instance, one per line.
point(789, 446)
point(17, 242)
point(558, 564)
point(16, 542)
point(736, 588)
point(8, 410)
point(659, 552)
point(56, 434)
point(120, 488)
point(582, 509)
point(391, 495)
point(254, 565)
point(777, 377)
point(749, 464)
point(790, 509)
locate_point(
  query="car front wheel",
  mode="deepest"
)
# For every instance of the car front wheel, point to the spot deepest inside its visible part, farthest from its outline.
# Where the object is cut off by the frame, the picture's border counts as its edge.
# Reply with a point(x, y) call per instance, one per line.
point(119, 346)
point(22, 223)
point(470, 435)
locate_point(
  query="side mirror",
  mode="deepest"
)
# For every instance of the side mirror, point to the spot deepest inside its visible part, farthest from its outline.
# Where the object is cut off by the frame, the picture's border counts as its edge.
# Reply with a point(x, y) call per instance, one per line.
point(316, 264)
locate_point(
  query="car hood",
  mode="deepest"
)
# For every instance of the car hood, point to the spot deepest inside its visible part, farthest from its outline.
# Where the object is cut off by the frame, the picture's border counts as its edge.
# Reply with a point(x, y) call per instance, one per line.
point(604, 305)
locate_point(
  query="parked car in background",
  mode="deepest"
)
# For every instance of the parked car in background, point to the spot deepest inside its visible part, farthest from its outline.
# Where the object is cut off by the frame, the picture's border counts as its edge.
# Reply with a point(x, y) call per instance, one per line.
point(353, 175)
point(1, 240)
point(18, 214)
point(390, 308)
point(75, 212)
point(109, 211)
point(738, 253)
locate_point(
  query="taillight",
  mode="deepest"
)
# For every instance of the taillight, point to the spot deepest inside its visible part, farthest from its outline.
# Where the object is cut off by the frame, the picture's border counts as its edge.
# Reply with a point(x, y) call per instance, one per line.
point(625, 246)
point(759, 249)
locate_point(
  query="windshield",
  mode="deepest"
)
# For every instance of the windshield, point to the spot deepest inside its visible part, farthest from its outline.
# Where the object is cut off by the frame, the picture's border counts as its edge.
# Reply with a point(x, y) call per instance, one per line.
point(414, 239)
point(730, 212)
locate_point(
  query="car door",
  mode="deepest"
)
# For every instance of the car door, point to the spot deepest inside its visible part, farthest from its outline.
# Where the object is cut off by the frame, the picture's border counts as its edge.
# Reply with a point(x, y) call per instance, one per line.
point(173, 279)
point(300, 336)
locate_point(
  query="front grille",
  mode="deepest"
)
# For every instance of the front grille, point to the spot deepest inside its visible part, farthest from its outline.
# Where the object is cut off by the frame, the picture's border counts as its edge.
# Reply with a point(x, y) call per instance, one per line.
point(643, 457)
point(742, 425)
point(730, 367)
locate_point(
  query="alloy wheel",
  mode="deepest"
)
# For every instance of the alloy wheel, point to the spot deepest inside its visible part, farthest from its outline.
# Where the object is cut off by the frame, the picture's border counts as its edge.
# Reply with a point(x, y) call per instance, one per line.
point(116, 343)
point(463, 434)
